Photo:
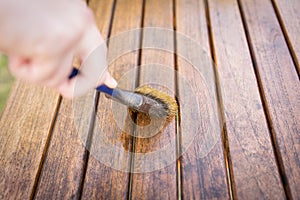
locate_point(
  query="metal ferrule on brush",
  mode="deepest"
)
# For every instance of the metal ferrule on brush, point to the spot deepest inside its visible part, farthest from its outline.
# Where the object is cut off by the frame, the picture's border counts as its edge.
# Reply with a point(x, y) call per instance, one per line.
point(128, 98)
point(139, 103)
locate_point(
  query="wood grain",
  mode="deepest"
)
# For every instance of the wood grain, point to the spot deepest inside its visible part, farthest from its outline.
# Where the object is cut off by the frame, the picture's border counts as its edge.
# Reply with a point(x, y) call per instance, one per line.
point(289, 16)
point(160, 181)
point(280, 86)
point(203, 176)
point(62, 170)
point(254, 166)
point(64, 166)
point(25, 124)
point(109, 178)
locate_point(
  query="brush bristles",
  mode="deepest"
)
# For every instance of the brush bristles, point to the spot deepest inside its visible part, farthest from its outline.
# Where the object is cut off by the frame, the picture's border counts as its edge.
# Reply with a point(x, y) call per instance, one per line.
point(168, 102)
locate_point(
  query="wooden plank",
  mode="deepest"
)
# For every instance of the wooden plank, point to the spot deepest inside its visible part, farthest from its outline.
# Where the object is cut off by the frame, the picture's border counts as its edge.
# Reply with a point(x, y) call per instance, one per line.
point(254, 166)
point(63, 169)
point(160, 181)
point(109, 177)
point(103, 11)
point(25, 125)
point(289, 16)
point(280, 87)
point(203, 177)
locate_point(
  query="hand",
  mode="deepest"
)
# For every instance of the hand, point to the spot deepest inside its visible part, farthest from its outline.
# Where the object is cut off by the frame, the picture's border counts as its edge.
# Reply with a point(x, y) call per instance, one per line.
point(41, 39)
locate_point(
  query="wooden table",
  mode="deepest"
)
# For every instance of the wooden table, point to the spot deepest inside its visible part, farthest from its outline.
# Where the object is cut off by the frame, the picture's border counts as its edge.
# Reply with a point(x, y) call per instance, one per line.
point(256, 48)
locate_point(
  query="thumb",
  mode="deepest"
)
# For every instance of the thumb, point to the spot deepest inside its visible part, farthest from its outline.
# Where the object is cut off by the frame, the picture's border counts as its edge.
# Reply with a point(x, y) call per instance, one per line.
point(108, 80)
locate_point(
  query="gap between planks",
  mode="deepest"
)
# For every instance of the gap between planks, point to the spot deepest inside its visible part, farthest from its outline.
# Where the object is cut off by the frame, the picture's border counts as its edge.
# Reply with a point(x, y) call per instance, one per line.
point(286, 37)
point(45, 151)
point(275, 146)
point(137, 82)
point(221, 114)
point(178, 116)
point(96, 101)
point(88, 143)
point(136, 141)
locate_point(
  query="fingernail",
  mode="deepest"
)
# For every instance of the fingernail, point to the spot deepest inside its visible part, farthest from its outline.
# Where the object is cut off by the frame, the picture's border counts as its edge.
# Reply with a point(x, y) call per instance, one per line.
point(111, 82)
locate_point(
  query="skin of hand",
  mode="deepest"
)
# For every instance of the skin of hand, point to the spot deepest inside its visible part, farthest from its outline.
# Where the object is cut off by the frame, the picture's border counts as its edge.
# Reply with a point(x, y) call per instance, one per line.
point(41, 39)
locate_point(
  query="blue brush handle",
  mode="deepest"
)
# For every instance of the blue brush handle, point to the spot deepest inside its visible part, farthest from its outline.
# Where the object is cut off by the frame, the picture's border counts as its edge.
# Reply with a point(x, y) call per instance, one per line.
point(105, 89)
point(101, 88)
point(74, 73)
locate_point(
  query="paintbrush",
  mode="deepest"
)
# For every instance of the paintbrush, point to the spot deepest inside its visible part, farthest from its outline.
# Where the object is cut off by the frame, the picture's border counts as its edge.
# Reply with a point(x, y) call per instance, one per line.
point(144, 99)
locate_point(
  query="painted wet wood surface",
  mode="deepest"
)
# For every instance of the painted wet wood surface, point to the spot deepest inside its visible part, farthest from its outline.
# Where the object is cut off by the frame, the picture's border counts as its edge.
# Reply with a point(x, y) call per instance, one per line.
point(253, 95)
